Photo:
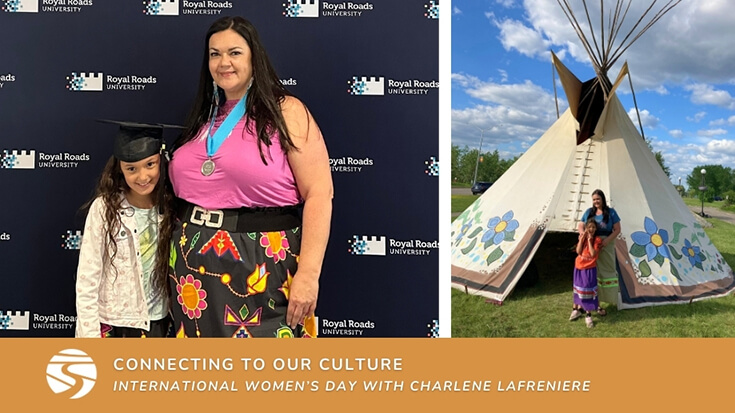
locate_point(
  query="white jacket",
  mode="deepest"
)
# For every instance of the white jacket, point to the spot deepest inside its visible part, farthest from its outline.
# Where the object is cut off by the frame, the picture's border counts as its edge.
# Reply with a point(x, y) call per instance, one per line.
point(103, 295)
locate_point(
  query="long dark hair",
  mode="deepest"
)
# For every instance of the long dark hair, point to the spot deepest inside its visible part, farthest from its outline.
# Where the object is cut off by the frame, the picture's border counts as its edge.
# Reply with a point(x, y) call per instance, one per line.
point(110, 186)
point(591, 220)
point(165, 199)
point(263, 105)
point(605, 208)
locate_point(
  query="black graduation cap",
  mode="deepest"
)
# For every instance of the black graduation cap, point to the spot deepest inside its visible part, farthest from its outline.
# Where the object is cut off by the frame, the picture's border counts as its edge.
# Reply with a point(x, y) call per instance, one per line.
point(135, 141)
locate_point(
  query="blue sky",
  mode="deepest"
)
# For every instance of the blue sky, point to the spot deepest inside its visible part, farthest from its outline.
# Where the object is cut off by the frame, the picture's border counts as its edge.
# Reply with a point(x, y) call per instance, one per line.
point(683, 71)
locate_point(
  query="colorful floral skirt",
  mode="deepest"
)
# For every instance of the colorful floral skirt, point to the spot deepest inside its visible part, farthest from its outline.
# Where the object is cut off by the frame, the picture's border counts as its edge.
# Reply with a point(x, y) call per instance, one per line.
point(233, 283)
point(585, 288)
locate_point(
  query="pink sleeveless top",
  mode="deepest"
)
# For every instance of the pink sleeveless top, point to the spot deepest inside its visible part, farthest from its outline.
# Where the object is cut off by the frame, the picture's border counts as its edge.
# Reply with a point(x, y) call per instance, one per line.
point(240, 179)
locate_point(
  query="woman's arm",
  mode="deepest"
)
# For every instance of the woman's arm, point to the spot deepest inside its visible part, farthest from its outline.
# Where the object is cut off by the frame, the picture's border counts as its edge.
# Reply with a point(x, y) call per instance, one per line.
point(89, 272)
point(310, 166)
point(613, 235)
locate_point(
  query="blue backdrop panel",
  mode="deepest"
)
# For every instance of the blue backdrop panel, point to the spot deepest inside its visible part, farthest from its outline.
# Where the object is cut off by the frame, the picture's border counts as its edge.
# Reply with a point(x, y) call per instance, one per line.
point(368, 71)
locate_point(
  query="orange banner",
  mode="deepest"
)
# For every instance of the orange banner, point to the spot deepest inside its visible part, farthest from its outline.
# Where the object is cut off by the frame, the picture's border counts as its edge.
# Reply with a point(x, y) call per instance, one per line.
point(365, 374)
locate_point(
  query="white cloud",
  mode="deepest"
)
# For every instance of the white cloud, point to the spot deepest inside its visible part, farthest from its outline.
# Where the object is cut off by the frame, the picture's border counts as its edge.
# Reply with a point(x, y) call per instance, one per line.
point(649, 121)
point(456, 10)
point(711, 132)
point(465, 81)
point(722, 146)
point(703, 94)
point(505, 3)
point(697, 117)
point(661, 90)
point(508, 117)
point(682, 159)
point(503, 75)
point(679, 48)
point(676, 133)
point(524, 39)
point(527, 96)
point(720, 122)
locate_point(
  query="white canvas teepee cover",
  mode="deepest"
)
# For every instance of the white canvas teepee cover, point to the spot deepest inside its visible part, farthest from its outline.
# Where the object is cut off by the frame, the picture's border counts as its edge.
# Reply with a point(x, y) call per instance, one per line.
point(663, 254)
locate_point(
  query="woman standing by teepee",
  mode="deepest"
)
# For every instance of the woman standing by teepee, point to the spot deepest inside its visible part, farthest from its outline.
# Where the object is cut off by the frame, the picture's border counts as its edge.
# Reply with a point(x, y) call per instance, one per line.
point(608, 228)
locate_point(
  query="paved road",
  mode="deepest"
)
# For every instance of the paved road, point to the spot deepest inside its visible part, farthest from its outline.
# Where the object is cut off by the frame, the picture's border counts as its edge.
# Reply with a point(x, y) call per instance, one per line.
point(715, 213)
point(461, 191)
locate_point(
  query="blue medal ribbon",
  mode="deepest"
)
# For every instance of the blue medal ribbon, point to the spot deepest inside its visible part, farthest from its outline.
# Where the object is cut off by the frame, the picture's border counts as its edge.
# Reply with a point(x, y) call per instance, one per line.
point(214, 142)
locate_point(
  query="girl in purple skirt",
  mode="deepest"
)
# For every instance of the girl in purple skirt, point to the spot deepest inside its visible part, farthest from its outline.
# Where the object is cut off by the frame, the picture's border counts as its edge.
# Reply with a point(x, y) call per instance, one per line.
point(585, 273)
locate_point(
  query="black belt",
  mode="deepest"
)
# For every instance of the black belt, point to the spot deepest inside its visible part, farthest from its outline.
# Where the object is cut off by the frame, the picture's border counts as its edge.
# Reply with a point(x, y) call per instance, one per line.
point(258, 219)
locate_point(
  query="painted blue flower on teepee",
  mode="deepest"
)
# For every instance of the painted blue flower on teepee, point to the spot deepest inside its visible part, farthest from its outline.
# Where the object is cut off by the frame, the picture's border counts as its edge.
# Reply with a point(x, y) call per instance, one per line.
point(693, 252)
point(651, 243)
point(500, 228)
point(464, 230)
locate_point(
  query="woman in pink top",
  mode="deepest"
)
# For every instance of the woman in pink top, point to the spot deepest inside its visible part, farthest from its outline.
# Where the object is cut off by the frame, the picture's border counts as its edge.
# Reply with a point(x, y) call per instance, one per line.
point(252, 173)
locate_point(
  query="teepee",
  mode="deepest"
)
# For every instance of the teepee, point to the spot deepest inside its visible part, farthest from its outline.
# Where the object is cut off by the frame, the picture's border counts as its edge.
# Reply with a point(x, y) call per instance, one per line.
point(663, 254)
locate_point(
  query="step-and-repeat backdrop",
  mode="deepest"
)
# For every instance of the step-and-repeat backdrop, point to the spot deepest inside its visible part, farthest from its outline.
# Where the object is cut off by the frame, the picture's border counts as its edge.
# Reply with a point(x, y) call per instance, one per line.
point(368, 71)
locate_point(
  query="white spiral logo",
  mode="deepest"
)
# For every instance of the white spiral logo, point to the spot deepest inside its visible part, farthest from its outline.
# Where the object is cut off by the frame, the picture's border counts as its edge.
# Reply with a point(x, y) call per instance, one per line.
point(71, 371)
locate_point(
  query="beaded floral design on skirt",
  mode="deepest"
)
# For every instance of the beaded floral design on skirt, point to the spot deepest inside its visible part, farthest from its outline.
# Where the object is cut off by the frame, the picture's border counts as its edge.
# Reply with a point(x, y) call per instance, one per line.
point(230, 284)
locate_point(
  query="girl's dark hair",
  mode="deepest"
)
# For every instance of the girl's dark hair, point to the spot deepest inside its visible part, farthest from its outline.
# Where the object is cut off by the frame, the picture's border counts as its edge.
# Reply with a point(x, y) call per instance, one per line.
point(165, 201)
point(263, 105)
point(605, 208)
point(591, 220)
point(110, 187)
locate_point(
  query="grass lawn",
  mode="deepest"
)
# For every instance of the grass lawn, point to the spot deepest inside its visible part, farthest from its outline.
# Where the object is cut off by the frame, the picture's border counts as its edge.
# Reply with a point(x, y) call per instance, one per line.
point(715, 204)
point(542, 309)
point(696, 202)
point(461, 202)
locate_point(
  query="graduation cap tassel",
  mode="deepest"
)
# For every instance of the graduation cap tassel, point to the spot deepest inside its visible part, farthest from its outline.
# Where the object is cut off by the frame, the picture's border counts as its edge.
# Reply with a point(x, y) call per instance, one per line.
point(163, 181)
point(164, 152)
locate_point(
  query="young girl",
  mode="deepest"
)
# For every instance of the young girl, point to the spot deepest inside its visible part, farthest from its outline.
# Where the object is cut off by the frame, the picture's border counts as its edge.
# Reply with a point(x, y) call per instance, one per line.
point(585, 273)
point(121, 278)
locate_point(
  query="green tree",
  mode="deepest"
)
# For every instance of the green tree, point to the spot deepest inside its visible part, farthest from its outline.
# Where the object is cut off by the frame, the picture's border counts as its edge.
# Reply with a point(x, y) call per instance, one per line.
point(718, 180)
point(456, 153)
point(466, 168)
point(662, 162)
point(493, 166)
point(660, 159)
point(489, 168)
